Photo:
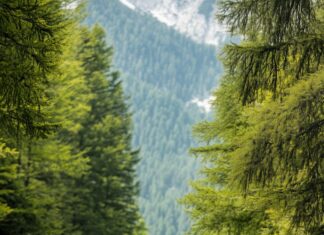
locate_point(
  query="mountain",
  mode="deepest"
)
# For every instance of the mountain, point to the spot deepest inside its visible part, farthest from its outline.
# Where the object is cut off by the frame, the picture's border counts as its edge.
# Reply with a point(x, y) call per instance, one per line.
point(168, 77)
point(194, 18)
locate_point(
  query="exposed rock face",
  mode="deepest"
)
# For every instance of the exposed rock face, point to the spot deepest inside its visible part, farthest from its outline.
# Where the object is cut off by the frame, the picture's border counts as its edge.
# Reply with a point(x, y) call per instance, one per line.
point(194, 18)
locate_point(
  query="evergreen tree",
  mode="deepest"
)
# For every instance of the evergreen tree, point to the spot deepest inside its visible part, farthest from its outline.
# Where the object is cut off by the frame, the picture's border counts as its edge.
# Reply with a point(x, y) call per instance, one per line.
point(266, 147)
point(30, 42)
point(57, 163)
point(8, 176)
point(51, 93)
point(109, 200)
point(30, 45)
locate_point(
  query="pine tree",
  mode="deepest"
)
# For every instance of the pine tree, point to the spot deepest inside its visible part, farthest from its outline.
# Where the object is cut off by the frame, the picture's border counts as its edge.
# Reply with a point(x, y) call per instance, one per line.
point(109, 200)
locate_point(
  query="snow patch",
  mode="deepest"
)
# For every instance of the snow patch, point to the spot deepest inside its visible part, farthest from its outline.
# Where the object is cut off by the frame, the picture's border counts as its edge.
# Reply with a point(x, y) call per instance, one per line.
point(128, 4)
point(164, 16)
point(204, 104)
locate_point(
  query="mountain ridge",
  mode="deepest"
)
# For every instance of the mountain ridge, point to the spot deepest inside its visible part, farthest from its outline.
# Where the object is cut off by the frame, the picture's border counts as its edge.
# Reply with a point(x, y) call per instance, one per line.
point(193, 18)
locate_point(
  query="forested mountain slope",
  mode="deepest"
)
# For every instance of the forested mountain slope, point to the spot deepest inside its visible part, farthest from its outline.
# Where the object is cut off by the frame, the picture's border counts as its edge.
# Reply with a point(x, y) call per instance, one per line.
point(163, 71)
point(194, 18)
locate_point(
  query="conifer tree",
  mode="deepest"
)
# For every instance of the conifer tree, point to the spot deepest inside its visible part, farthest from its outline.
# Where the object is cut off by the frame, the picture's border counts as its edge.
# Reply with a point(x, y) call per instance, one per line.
point(266, 147)
point(56, 161)
point(65, 119)
point(30, 42)
point(8, 176)
point(109, 200)
point(30, 45)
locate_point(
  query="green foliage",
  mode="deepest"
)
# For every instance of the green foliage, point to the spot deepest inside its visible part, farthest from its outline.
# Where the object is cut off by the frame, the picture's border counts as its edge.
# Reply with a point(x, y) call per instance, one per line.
point(286, 150)
point(30, 42)
point(7, 177)
point(48, 96)
point(265, 145)
point(108, 202)
point(276, 21)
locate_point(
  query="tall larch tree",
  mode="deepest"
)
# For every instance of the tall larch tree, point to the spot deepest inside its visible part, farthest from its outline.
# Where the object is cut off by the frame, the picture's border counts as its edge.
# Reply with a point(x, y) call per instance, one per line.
point(265, 146)
point(30, 46)
point(66, 163)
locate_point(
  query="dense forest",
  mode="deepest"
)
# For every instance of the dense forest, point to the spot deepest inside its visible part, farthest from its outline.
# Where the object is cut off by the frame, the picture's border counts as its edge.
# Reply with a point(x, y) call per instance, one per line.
point(264, 147)
point(163, 71)
point(67, 165)
point(98, 103)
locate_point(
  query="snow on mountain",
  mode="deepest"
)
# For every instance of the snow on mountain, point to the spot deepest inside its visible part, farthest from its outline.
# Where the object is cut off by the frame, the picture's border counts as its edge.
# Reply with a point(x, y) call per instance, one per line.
point(194, 18)
point(204, 104)
point(128, 4)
